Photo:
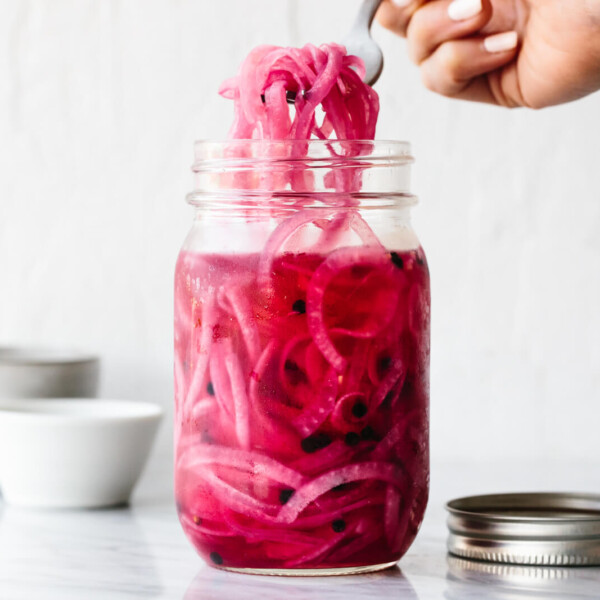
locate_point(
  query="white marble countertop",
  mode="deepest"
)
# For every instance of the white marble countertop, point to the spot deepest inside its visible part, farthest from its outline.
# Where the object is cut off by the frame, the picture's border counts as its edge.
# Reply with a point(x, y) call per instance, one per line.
point(141, 552)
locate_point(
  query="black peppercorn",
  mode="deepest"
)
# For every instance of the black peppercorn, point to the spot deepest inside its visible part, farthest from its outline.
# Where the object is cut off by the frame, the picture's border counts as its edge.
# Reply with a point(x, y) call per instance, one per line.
point(315, 442)
point(285, 495)
point(397, 260)
point(359, 410)
point(352, 438)
point(299, 306)
point(338, 525)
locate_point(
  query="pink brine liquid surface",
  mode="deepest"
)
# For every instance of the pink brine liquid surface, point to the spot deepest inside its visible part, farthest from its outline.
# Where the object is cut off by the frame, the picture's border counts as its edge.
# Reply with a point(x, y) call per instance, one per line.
point(302, 406)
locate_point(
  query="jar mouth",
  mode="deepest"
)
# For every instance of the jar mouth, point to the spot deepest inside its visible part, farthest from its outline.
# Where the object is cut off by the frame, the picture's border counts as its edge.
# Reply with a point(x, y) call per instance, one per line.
point(326, 170)
point(206, 152)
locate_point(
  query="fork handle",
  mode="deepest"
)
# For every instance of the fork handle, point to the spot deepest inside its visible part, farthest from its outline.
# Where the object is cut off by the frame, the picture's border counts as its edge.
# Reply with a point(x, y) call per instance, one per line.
point(366, 14)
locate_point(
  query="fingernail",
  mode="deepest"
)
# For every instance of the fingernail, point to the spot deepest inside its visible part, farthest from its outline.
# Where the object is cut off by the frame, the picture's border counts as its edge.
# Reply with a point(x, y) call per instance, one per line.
point(501, 42)
point(459, 10)
point(401, 3)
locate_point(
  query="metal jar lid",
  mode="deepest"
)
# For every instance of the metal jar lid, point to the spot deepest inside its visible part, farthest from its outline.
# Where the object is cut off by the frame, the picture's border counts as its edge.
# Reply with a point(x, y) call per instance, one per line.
point(526, 529)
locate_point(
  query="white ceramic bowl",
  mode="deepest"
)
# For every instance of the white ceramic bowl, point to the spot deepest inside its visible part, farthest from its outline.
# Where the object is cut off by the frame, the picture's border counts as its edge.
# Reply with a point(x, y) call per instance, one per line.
point(47, 373)
point(73, 453)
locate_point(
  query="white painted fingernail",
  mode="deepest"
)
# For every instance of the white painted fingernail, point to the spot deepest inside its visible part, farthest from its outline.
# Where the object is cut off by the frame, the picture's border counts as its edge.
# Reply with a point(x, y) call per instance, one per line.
point(401, 3)
point(459, 10)
point(501, 42)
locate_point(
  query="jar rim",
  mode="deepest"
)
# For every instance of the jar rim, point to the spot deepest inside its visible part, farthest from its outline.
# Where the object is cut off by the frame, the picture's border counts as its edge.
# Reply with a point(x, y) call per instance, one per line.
point(333, 172)
point(312, 141)
point(206, 152)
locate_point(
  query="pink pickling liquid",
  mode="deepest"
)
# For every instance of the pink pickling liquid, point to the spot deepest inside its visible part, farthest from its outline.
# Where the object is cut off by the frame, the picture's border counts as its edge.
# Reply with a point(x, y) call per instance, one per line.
point(302, 406)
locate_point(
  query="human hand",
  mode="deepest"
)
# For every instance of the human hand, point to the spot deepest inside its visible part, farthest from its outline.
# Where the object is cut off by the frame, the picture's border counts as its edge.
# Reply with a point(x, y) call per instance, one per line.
point(532, 53)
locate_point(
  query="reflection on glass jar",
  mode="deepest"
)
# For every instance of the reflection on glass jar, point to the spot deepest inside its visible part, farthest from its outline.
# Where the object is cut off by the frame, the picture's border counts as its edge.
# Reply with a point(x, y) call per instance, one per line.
point(302, 358)
point(211, 584)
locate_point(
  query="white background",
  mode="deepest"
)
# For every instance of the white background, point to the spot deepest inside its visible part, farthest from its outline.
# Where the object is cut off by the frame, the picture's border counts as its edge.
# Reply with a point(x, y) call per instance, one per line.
point(100, 101)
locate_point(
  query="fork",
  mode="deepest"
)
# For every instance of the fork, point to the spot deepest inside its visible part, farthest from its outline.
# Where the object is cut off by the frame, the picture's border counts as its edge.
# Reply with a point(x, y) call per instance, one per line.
point(360, 42)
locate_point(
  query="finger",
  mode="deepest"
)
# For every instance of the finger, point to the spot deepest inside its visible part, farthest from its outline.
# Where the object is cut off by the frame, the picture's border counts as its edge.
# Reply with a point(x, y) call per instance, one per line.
point(443, 20)
point(396, 14)
point(455, 66)
point(500, 87)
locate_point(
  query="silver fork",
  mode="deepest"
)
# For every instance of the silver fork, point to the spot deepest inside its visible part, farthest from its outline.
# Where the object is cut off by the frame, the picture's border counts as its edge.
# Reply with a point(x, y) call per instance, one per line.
point(360, 42)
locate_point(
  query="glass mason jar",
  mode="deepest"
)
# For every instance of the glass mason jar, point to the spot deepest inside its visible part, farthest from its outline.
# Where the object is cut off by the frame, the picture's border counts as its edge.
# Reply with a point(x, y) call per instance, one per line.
point(301, 358)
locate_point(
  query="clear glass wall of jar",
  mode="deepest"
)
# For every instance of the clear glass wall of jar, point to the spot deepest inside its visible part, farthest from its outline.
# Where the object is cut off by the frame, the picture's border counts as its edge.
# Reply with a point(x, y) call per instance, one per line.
point(302, 358)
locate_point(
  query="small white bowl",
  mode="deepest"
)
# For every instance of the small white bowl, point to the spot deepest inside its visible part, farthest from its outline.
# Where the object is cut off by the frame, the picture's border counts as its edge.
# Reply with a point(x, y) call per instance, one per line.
point(47, 373)
point(73, 453)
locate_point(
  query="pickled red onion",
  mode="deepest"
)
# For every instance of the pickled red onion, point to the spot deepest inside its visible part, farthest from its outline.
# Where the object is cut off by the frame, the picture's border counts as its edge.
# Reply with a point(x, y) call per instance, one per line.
point(325, 76)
